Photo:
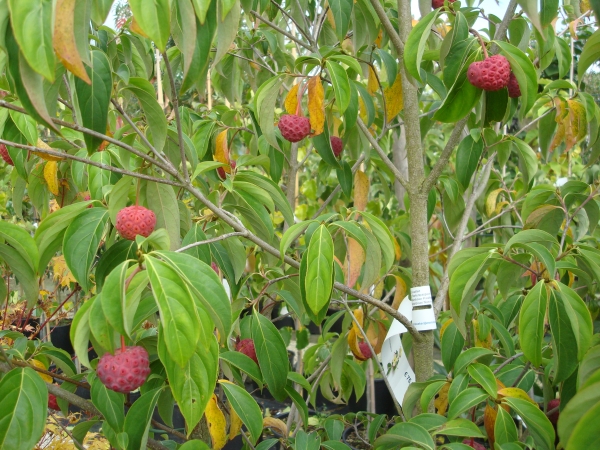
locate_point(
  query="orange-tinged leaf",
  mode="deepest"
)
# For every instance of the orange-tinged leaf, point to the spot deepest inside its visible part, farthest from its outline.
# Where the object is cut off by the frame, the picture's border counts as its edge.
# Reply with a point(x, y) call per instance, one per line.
point(316, 107)
point(277, 424)
point(51, 176)
point(576, 125)
point(353, 344)
point(40, 365)
point(221, 150)
point(372, 83)
point(441, 401)
point(361, 190)
point(397, 250)
point(64, 39)
point(235, 423)
point(379, 38)
point(216, 423)
point(394, 101)
point(356, 260)
point(291, 101)
point(514, 392)
point(41, 144)
point(135, 28)
point(489, 421)
point(400, 293)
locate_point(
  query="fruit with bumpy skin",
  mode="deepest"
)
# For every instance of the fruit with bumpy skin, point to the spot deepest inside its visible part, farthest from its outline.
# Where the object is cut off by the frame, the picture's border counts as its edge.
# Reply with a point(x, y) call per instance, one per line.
point(435, 4)
point(294, 128)
point(336, 145)
point(365, 350)
point(135, 220)
point(491, 74)
point(246, 346)
point(5, 156)
point(554, 403)
point(214, 267)
point(125, 371)
point(514, 90)
point(474, 444)
point(52, 403)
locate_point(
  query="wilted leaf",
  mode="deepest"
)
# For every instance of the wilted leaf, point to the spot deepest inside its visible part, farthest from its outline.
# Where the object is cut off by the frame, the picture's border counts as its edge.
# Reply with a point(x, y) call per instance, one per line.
point(356, 260)
point(372, 84)
point(291, 101)
point(64, 39)
point(62, 274)
point(353, 344)
point(277, 424)
point(216, 423)
point(489, 421)
point(51, 176)
point(441, 401)
point(42, 144)
point(361, 190)
point(316, 108)
point(221, 150)
point(394, 101)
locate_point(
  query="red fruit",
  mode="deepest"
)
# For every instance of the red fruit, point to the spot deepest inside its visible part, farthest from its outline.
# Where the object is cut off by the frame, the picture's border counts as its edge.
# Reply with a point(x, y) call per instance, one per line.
point(52, 403)
point(215, 267)
point(439, 3)
point(5, 156)
point(221, 173)
point(365, 350)
point(294, 128)
point(554, 416)
point(232, 164)
point(135, 220)
point(126, 370)
point(514, 90)
point(491, 74)
point(246, 346)
point(336, 145)
point(473, 444)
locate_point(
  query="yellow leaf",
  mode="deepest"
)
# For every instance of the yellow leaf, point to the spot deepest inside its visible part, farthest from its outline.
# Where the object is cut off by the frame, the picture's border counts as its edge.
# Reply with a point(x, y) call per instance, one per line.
point(400, 292)
point(51, 176)
point(446, 325)
point(221, 150)
point(44, 156)
point(277, 424)
point(54, 206)
point(216, 423)
point(316, 108)
point(235, 423)
point(330, 18)
point(361, 190)
point(356, 260)
point(499, 207)
point(379, 37)
point(584, 6)
point(353, 344)
point(291, 101)
point(397, 250)
point(576, 127)
point(489, 422)
point(64, 39)
point(394, 102)
point(514, 392)
point(441, 401)
point(61, 271)
point(359, 316)
point(362, 109)
point(372, 83)
point(40, 365)
point(490, 201)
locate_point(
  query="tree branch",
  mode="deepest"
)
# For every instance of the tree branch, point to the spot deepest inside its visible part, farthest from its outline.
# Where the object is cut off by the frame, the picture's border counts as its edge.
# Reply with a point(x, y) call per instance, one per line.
point(389, 28)
point(174, 99)
point(282, 31)
point(209, 241)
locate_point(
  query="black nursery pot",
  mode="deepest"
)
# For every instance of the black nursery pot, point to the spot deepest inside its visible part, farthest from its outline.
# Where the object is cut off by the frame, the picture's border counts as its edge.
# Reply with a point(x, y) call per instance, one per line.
point(384, 402)
point(35, 323)
point(60, 337)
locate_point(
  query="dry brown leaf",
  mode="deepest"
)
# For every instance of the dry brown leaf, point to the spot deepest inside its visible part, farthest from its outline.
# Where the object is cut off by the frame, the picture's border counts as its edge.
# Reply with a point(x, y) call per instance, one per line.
point(394, 101)
point(361, 190)
point(51, 176)
point(216, 423)
point(64, 39)
point(316, 106)
point(291, 101)
point(277, 424)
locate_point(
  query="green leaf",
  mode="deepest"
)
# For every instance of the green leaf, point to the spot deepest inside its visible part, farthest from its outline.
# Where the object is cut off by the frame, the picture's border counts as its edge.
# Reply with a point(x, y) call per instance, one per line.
point(467, 157)
point(345, 176)
point(528, 236)
point(484, 376)
point(154, 18)
point(468, 356)
point(452, 345)
point(155, 117)
point(81, 241)
point(201, 8)
point(525, 73)
point(26, 126)
point(244, 363)
point(528, 160)
point(339, 80)
point(465, 400)
point(531, 9)
point(531, 323)
point(245, 407)
point(227, 29)
point(322, 143)
point(319, 270)
point(589, 55)
point(580, 318)
point(405, 433)
point(80, 332)
point(183, 30)
point(192, 385)
point(271, 353)
point(352, 230)
point(205, 31)
point(100, 10)
point(162, 201)
point(537, 423)
point(563, 337)
point(548, 12)
point(24, 408)
point(111, 258)
point(415, 44)
point(206, 287)
point(32, 22)
point(342, 11)
point(19, 239)
point(109, 403)
point(104, 334)
point(266, 98)
point(505, 430)
point(177, 310)
point(299, 402)
point(99, 178)
point(195, 444)
point(459, 102)
point(383, 236)
point(460, 427)
point(272, 188)
point(137, 422)
point(585, 434)
point(94, 99)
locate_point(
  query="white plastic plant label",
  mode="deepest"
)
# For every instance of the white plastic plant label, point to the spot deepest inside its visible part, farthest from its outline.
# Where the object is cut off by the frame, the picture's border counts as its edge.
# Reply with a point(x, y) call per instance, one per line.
point(422, 319)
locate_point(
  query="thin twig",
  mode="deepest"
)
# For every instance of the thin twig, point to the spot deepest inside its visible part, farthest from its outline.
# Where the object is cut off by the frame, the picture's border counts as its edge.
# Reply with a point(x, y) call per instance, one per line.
point(282, 31)
point(209, 241)
point(75, 442)
point(389, 27)
point(507, 362)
